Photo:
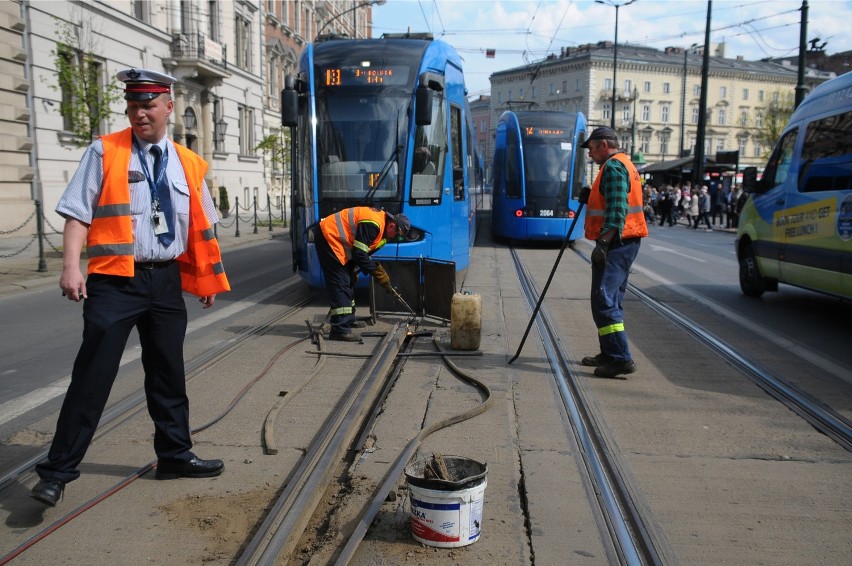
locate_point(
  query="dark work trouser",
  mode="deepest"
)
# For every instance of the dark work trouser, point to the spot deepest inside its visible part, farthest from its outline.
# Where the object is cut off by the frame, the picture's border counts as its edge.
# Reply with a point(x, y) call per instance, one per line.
point(338, 286)
point(609, 283)
point(151, 301)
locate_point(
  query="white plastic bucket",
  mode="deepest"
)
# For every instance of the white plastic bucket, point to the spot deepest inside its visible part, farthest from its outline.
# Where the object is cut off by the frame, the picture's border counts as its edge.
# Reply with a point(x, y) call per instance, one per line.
point(447, 513)
point(466, 322)
point(446, 518)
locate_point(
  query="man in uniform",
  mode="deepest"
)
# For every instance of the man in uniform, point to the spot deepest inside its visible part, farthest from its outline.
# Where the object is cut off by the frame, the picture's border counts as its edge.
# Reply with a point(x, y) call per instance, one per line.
point(344, 242)
point(615, 221)
point(141, 206)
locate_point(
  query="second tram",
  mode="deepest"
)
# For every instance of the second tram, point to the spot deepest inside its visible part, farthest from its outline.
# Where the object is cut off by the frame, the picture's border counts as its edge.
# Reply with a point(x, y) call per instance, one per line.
point(539, 170)
point(384, 123)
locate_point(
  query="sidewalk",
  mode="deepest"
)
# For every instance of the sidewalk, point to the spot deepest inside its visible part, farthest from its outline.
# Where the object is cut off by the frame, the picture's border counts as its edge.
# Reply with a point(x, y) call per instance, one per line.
point(20, 272)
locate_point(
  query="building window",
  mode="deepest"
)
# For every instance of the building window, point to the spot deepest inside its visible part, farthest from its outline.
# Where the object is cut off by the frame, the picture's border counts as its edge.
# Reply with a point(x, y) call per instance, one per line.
point(628, 88)
point(646, 112)
point(564, 86)
point(213, 20)
point(522, 93)
point(645, 143)
point(647, 86)
point(218, 143)
point(625, 113)
point(246, 119)
point(185, 17)
point(694, 114)
point(577, 85)
point(141, 11)
point(720, 144)
point(758, 119)
point(664, 144)
point(607, 84)
point(606, 111)
point(722, 115)
point(532, 92)
point(696, 90)
point(272, 77)
point(667, 88)
point(758, 150)
point(723, 92)
point(744, 118)
point(743, 143)
point(664, 114)
point(552, 89)
point(75, 119)
point(243, 43)
point(745, 94)
point(760, 96)
point(775, 96)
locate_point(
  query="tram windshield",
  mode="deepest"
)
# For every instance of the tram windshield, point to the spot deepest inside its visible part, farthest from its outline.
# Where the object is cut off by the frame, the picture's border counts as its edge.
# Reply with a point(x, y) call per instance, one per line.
point(356, 135)
point(546, 162)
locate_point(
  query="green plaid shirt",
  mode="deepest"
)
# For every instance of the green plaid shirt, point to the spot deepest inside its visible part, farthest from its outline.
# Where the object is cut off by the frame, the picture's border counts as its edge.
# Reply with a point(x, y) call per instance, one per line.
point(615, 184)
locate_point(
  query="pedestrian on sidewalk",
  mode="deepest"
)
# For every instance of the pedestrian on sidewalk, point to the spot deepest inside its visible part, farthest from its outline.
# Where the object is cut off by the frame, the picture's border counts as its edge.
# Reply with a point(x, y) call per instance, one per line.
point(616, 223)
point(344, 243)
point(140, 205)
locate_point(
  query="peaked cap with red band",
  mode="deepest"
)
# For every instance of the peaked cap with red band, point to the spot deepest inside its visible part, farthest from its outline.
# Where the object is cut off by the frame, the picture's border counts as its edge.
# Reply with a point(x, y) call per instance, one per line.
point(143, 84)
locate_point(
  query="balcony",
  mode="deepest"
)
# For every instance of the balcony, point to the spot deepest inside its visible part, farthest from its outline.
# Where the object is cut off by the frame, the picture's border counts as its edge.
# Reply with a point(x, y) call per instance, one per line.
point(195, 55)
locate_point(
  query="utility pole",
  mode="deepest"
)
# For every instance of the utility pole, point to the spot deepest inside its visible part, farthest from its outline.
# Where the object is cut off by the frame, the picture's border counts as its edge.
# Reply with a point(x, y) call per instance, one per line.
point(801, 89)
point(698, 168)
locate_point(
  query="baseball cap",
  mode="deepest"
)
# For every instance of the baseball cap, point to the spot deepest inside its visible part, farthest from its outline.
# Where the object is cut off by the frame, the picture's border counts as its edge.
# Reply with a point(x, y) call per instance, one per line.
point(144, 84)
point(602, 133)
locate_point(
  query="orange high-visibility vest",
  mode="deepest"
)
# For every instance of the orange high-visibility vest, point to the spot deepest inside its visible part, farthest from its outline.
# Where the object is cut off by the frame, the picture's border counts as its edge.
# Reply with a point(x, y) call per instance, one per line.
point(634, 223)
point(339, 230)
point(109, 244)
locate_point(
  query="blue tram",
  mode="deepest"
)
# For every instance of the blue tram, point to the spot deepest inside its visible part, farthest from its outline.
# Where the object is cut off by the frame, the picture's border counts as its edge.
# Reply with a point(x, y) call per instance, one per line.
point(539, 169)
point(385, 123)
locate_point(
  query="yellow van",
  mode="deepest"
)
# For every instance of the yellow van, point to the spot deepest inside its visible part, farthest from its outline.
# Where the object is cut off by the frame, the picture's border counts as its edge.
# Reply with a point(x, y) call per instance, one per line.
point(796, 226)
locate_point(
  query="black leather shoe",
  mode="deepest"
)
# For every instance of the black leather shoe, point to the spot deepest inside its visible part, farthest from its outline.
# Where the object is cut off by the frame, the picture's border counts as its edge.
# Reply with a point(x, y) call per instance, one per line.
point(616, 369)
point(344, 336)
point(195, 468)
point(48, 491)
point(595, 361)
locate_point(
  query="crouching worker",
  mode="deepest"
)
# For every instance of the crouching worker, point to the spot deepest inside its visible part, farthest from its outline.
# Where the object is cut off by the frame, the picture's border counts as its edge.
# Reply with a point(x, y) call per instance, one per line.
point(344, 243)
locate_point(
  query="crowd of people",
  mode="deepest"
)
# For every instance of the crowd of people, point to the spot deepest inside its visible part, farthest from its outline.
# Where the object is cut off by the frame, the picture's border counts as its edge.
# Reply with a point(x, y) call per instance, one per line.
point(714, 206)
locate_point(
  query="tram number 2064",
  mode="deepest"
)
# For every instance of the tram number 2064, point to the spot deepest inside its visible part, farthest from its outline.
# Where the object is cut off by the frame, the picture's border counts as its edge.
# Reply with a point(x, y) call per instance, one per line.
point(545, 213)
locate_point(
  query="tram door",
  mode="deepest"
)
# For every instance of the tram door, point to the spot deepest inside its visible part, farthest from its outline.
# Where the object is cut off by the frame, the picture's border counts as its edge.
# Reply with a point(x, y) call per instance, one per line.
point(456, 186)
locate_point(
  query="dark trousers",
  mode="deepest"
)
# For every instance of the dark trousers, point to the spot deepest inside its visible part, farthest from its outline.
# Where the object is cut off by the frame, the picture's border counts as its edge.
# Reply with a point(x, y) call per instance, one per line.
point(609, 283)
point(151, 301)
point(339, 287)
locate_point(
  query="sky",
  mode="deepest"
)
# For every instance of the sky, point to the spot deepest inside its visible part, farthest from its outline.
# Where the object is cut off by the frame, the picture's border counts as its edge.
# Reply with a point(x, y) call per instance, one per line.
point(525, 31)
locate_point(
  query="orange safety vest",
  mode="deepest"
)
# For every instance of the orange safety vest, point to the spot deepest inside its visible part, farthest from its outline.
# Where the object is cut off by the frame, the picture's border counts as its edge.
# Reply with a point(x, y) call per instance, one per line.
point(109, 243)
point(634, 223)
point(339, 230)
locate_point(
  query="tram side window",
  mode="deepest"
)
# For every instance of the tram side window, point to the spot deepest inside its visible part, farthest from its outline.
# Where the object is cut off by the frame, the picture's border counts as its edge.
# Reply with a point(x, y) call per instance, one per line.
point(827, 155)
point(779, 164)
point(513, 167)
point(456, 139)
point(430, 150)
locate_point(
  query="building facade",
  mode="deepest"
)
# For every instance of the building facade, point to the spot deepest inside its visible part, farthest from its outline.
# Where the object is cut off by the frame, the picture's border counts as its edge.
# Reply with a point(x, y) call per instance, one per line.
point(657, 96)
point(480, 111)
point(229, 58)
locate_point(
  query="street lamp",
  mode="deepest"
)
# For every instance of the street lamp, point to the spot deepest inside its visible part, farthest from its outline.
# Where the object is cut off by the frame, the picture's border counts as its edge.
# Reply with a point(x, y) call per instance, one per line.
point(683, 101)
point(221, 129)
point(614, 52)
point(352, 9)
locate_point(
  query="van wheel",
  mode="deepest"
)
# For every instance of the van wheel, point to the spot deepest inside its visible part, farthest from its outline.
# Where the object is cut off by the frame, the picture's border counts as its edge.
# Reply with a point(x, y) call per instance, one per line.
point(751, 282)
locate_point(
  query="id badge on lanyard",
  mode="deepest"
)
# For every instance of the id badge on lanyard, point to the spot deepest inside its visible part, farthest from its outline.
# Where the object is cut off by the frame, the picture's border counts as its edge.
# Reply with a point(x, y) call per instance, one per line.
point(158, 219)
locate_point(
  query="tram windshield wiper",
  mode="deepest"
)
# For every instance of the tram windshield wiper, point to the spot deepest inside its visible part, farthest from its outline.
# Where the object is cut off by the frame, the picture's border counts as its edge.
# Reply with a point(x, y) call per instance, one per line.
point(368, 198)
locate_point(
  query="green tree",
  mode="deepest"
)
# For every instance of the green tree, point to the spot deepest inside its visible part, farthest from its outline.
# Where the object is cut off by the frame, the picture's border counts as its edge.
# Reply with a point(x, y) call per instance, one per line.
point(86, 97)
point(775, 117)
point(273, 145)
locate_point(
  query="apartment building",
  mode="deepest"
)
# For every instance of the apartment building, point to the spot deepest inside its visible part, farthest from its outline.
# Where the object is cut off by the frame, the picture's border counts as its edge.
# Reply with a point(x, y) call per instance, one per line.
point(657, 96)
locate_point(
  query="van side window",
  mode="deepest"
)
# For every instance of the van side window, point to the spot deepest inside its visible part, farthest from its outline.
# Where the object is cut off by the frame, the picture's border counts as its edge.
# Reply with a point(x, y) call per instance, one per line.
point(827, 155)
point(779, 164)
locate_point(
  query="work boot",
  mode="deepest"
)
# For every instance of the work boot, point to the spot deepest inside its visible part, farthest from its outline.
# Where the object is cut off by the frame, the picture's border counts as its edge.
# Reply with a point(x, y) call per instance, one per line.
point(615, 369)
point(48, 491)
point(596, 360)
point(344, 336)
point(357, 324)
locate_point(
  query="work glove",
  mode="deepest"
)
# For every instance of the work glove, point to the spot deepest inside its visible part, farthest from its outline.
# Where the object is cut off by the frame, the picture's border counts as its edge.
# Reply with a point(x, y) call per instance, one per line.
point(381, 277)
point(583, 197)
point(599, 253)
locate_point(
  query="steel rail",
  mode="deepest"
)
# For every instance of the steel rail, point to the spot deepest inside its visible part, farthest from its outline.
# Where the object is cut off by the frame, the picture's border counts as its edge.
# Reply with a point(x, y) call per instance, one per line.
point(631, 531)
point(285, 523)
point(824, 419)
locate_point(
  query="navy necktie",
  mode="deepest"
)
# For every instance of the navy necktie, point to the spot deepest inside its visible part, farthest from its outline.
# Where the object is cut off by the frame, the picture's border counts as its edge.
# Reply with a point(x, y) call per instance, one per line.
point(164, 196)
